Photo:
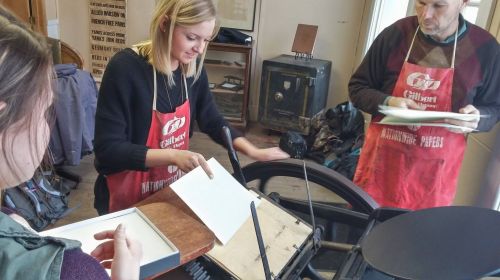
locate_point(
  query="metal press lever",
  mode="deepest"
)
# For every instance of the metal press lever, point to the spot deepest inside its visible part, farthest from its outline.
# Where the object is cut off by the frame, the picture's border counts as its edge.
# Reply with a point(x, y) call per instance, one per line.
point(309, 200)
point(233, 157)
point(260, 242)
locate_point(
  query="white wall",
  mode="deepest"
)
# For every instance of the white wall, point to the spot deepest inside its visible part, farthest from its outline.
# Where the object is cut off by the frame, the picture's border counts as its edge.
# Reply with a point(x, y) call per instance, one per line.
point(339, 23)
point(477, 155)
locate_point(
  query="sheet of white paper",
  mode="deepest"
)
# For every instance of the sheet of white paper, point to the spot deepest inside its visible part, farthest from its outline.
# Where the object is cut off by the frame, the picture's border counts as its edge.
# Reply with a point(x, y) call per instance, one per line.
point(222, 203)
point(419, 115)
point(395, 121)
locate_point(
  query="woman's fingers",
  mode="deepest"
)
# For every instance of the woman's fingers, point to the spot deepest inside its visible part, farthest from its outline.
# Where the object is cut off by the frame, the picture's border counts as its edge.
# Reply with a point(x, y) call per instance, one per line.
point(107, 264)
point(107, 234)
point(104, 251)
point(190, 160)
point(204, 165)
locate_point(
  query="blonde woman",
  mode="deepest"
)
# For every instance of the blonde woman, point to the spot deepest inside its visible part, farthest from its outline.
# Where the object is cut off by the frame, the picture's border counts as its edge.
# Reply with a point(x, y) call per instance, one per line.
point(150, 97)
point(25, 98)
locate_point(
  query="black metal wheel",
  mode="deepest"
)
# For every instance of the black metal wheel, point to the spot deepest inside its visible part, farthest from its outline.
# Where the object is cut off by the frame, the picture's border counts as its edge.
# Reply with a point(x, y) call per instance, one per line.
point(262, 172)
point(341, 224)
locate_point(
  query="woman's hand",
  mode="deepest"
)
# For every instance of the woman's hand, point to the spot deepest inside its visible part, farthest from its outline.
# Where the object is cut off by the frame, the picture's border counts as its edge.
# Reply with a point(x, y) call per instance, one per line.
point(121, 254)
point(268, 154)
point(187, 161)
point(243, 145)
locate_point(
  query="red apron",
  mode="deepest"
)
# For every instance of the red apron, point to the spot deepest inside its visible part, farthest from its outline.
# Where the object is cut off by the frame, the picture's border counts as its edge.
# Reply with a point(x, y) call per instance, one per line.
point(414, 167)
point(167, 131)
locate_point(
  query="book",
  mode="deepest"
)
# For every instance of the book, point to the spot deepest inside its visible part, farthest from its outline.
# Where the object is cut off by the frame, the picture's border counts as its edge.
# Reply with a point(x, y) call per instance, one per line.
point(159, 254)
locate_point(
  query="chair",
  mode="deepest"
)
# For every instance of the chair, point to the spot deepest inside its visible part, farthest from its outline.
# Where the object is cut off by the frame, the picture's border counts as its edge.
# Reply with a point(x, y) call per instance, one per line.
point(63, 53)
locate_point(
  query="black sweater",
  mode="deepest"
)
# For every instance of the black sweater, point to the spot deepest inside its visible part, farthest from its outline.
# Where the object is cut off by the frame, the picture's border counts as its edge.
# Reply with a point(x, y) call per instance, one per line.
point(477, 68)
point(124, 109)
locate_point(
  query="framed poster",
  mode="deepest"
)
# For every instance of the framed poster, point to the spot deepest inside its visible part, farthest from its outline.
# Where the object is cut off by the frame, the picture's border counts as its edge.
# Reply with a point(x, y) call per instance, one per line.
point(237, 14)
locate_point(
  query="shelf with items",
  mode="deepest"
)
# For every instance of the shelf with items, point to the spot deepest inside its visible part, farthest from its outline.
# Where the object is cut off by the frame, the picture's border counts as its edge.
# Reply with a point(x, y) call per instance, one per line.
point(225, 64)
point(227, 91)
point(228, 70)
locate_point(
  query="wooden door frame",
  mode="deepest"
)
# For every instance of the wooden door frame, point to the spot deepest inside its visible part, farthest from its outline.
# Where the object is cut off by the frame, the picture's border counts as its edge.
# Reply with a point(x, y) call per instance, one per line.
point(39, 16)
point(36, 18)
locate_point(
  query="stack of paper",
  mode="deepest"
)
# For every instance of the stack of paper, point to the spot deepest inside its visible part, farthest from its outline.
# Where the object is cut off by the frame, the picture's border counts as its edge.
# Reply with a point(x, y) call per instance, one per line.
point(402, 116)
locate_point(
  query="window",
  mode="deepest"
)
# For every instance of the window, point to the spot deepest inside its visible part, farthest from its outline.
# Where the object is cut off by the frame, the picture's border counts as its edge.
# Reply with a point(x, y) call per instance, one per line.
point(385, 12)
point(479, 12)
point(471, 10)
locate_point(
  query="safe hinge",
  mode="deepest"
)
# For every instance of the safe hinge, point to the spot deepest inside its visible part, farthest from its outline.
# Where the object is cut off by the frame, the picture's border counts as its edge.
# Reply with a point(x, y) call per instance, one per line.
point(311, 81)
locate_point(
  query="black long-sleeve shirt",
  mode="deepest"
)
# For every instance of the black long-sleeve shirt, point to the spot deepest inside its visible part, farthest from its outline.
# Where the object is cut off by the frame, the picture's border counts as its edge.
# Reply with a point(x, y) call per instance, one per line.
point(477, 68)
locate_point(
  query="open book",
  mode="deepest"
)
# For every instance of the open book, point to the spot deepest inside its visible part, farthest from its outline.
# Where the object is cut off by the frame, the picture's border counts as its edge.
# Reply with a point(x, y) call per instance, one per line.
point(402, 116)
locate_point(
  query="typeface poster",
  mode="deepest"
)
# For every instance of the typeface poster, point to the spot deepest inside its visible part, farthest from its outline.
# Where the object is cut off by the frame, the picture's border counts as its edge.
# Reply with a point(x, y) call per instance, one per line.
point(107, 32)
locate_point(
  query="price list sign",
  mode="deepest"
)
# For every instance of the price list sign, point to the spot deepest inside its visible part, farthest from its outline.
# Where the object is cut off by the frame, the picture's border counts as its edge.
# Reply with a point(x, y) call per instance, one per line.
point(107, 32)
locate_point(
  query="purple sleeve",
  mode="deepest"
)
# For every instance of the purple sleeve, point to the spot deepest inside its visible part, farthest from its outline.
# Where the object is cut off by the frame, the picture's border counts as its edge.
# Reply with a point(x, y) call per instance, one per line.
point(7, 211)
point(78, 265)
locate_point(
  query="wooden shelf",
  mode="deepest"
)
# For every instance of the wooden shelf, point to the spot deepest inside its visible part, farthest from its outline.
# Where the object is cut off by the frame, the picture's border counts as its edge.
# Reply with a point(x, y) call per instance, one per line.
point(222, 65)
point(232, 104)
point(221, 90)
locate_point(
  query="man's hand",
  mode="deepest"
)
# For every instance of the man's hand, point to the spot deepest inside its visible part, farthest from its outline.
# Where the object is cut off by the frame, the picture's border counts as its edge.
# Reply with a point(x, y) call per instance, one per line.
point(121, 254)
point(469, 109)
point(406, 103)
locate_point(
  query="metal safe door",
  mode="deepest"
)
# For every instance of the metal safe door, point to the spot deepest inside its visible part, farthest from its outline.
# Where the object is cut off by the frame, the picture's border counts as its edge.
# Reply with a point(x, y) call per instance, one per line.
point(286, 94)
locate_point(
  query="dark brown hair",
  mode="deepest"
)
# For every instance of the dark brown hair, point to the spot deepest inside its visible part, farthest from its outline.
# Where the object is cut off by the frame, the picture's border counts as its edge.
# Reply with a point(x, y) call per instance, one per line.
point(25, 78)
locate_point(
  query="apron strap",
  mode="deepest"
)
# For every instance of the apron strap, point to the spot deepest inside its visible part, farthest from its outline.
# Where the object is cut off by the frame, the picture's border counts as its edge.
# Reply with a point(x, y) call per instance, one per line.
point(154, 88)
point(411, 45)
point(185, 86)
point(454, 47)
point(184, 79)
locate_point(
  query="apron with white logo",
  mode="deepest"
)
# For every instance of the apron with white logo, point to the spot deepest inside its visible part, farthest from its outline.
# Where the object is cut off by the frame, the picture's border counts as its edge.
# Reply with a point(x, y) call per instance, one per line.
point(167, 131)
point(410, 166)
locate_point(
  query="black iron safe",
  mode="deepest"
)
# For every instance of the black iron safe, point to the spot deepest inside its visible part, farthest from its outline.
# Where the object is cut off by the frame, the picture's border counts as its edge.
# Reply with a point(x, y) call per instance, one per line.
point(293, 90)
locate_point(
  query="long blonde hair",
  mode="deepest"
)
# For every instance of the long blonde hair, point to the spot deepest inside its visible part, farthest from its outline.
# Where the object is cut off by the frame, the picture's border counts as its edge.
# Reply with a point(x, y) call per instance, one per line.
point(182, 13)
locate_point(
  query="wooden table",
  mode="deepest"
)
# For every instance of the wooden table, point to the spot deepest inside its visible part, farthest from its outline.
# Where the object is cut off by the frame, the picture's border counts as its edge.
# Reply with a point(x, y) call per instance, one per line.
point(177, 222)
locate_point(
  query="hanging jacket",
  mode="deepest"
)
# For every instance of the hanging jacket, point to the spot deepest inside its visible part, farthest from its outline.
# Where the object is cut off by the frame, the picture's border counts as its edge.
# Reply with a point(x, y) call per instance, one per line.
point(75, 105)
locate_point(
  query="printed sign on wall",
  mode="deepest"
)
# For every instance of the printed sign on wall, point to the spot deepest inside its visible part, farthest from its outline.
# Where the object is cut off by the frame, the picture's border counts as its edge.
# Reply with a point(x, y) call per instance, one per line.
point(107, 32)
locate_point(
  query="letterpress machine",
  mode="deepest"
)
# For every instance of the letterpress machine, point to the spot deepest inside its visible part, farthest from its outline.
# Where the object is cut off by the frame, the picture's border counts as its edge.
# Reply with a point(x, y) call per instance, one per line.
point(351, 237)
point(289, 244)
